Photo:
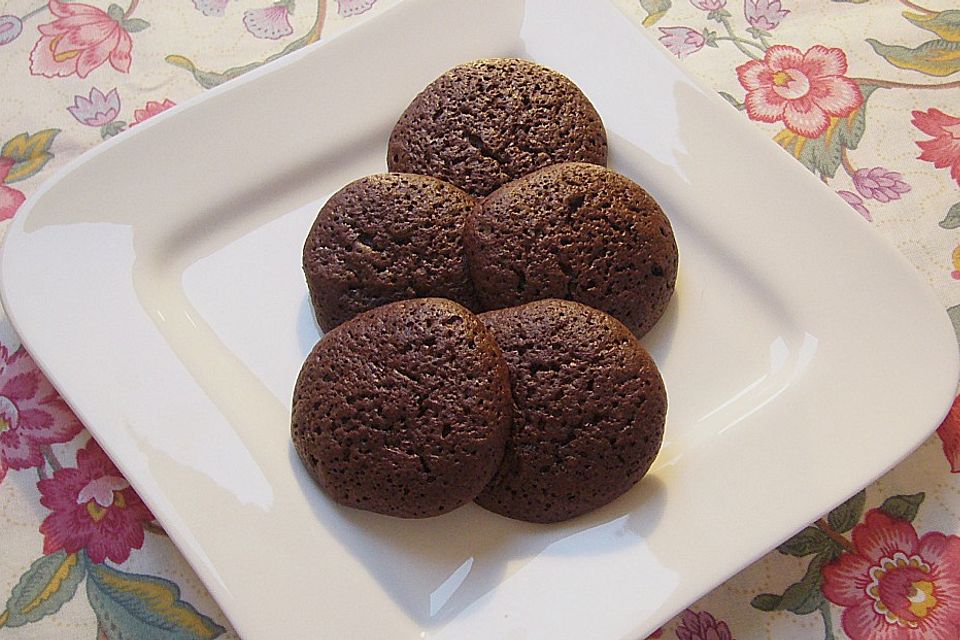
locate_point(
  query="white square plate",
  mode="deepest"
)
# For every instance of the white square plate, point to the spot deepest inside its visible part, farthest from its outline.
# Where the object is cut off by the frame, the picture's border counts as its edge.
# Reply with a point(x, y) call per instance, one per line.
point(157, 282)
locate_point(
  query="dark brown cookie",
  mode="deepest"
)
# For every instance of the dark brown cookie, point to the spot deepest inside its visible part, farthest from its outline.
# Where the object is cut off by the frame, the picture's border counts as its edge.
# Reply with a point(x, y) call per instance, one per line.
point(403, 410)
point(487, 122)
point(579, 232)
point(384, 238)
point(589, 411)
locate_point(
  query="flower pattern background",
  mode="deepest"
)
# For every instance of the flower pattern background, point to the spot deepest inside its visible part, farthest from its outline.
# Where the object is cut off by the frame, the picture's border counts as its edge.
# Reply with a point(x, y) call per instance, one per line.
point(864, 93)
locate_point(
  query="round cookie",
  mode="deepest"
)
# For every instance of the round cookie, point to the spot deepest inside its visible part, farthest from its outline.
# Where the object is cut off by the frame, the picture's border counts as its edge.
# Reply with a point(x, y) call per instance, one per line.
point(403, 410)
point(589, 411)
point(579, 232)
point(487, 122)
point(384, 238)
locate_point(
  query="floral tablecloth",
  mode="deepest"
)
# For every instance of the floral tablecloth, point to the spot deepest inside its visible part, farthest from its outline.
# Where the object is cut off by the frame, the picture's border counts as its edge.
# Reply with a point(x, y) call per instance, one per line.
point(864, 93)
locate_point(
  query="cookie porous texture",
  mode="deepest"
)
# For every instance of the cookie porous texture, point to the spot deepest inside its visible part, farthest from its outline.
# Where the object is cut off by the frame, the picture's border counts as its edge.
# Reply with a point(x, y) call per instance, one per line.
point(487, 122)
point(384, 238)
point(589, 411)
point(579, 232)
point(403, 410)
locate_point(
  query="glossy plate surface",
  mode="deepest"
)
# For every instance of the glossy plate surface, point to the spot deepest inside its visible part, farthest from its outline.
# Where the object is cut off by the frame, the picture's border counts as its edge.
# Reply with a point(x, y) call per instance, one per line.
point(169, 308)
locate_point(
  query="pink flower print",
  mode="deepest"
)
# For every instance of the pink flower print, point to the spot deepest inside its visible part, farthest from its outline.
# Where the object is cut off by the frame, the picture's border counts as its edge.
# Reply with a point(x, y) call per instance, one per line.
point(896, 585)
point(879, 184)
point(93, 508)
point(856, 202)
point(31, 413)
point(271, 22)
point(949, 429)
point(702, 626)
point(79, 40)
point(211, 7)
point(151, 109)
point(97, 109)
point(681, 41)
point(347, 8)
point(709, 5)
point(10, 198)
point(944, 149)
point(803, 90)
point(764, 14)
point(10, 28)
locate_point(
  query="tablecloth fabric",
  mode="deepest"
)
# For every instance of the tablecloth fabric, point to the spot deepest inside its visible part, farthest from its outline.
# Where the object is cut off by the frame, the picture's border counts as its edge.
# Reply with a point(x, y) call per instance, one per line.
point(862, 92)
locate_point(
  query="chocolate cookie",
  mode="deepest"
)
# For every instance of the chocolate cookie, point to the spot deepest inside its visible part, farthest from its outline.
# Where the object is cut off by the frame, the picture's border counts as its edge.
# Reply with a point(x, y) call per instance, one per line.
point(385, 238)
point(589, 411)
point(578, 232)
point(487, 122)
point(403, 410)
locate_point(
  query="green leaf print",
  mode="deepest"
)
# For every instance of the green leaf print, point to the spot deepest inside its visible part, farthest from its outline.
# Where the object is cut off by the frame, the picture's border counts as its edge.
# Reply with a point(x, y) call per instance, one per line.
point(934, 58)
point(945, 24)
point(903, 507)
point(952, 221)
point(50, 582)
point(131, 606)
point(847, 515)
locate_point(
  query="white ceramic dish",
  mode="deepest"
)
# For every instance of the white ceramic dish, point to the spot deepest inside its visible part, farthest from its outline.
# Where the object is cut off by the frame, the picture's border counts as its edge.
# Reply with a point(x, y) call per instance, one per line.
point(802, 355)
